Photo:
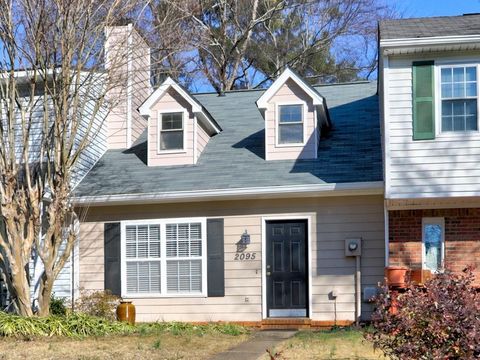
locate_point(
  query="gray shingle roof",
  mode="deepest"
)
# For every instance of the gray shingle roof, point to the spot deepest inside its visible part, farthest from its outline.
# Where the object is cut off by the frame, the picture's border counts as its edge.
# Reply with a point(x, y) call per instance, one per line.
point(235, 157)
point(428, 27)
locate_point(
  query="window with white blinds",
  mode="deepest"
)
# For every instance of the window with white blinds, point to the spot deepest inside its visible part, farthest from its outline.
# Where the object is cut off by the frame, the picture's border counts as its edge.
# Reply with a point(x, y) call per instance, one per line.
point(184, 257)
point(164, 257)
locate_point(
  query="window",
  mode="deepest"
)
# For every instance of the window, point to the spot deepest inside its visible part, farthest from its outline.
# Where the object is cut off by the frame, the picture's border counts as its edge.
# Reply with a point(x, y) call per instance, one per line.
point(164, 257)
point(290, 124)
point(433, 238)
point(143, 258)
point(184, 257)
point(171, 131)
point(459, 98)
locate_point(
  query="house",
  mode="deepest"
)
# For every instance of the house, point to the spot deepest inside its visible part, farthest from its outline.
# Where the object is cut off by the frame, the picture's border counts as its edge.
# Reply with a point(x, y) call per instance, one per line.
point(285, 205)
point(428, 79)
point(238, 207)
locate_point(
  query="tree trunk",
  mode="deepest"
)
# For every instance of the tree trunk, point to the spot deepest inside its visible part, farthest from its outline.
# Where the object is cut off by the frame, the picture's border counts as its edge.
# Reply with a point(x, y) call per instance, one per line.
point(45, 294)
point(20, 292)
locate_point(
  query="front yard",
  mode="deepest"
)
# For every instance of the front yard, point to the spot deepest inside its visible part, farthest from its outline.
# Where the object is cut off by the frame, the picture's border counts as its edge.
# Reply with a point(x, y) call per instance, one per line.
point(160, 346)
point(333, 344)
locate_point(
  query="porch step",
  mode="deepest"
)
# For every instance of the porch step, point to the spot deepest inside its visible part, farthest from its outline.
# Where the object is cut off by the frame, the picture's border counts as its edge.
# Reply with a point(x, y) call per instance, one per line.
point(286, 323)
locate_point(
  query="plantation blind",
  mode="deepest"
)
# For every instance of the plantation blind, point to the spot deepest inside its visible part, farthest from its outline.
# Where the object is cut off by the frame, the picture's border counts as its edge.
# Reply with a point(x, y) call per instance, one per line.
point(423, 100)
point(143, 258)
point(184, 257)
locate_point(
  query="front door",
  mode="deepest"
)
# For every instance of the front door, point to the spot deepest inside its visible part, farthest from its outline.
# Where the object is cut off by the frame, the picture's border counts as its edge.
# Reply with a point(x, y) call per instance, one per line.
point(286, 268)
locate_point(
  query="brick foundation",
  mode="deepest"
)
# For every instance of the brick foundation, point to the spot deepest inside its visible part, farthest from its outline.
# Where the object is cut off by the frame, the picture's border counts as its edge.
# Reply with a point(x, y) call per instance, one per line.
point(462, 237)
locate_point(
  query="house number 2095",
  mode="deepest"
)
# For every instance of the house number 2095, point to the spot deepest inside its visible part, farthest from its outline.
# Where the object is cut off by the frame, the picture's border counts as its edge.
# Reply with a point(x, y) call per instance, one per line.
point(245, 256)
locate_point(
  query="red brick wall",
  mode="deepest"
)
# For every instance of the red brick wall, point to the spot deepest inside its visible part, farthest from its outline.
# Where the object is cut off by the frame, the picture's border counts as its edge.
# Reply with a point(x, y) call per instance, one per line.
point(462, 237)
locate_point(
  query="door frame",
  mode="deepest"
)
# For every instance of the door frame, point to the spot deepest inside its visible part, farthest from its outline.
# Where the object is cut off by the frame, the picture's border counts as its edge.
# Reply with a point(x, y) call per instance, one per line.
point(308, 217)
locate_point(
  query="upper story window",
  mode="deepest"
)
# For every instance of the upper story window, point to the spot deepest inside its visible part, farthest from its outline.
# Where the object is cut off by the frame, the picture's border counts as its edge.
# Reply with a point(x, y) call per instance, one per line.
point(459, 98)
point(171, 131)
point(290, 124)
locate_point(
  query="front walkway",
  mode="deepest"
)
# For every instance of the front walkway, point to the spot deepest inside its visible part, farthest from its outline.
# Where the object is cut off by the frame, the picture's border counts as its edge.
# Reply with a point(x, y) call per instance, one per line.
point(257, 346)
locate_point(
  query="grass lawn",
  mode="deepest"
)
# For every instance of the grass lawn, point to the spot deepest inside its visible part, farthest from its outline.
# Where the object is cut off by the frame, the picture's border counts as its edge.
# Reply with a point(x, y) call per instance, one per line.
point(159, 346)
point(334, 344)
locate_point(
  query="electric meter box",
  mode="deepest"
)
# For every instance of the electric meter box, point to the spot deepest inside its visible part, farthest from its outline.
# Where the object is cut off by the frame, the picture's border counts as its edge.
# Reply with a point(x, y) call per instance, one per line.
point(353, 247)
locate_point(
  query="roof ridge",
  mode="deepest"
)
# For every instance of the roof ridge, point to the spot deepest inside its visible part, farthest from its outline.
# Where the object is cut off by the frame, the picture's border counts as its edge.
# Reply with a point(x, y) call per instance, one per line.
point(315, 86)
point(429, 17)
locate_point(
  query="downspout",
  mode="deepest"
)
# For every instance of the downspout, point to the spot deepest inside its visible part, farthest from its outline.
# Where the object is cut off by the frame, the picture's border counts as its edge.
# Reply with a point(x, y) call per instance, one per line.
point(358, 290)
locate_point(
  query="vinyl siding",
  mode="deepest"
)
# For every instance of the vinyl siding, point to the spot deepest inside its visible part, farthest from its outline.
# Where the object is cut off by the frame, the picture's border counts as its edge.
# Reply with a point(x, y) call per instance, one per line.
point(333, 220)
point(290, 93)
point(444, 167)
point(202, 139)
point(171, 101)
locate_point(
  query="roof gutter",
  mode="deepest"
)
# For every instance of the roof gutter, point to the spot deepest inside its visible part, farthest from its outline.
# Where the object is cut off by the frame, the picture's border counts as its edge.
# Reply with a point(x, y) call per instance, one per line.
point(433, 40)
point(272, 192)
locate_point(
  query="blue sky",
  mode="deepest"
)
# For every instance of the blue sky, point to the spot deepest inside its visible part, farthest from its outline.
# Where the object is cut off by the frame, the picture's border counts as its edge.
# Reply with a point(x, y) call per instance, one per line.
point(422, 8)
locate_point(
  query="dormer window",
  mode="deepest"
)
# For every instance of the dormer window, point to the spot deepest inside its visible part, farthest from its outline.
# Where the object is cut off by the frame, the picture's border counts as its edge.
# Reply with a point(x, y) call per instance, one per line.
point(290, 124)
point(171, 131)
point(459, 98)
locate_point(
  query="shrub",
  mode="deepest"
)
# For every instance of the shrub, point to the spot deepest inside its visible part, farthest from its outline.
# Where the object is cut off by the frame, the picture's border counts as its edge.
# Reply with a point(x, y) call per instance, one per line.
point(78, 325)
point(440, 320)
point(72, 325)
point(58, 306)
point(98, 303)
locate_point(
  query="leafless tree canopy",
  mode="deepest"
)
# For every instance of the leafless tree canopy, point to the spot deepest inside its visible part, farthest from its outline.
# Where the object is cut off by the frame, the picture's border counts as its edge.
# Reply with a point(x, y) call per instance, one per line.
point(244, 44)
point(53, 92)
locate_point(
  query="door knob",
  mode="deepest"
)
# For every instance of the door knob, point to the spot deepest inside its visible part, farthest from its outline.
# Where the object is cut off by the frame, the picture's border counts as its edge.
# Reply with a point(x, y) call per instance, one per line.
point(269, 273)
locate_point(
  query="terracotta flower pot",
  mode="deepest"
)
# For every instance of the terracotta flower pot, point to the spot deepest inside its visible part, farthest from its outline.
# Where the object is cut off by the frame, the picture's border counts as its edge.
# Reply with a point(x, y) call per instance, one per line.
point(396, 276)
point(420, 276)
point(126, 312)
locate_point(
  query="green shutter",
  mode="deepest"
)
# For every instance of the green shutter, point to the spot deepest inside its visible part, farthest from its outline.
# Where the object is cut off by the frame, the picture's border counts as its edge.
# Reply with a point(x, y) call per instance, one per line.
point(423, 100)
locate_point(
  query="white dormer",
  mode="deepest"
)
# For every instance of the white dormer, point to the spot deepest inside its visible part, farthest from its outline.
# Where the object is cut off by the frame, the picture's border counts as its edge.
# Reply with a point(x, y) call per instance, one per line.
point(294, 113)
point(178, 126)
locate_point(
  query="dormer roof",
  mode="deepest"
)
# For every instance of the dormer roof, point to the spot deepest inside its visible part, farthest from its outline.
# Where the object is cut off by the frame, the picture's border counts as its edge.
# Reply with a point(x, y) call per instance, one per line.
point(288, 74)
point(202, 114)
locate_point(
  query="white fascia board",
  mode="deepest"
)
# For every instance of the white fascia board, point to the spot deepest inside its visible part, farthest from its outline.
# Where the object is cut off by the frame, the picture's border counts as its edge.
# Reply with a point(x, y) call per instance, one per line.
point(145, 108)
point(262, 102)
point(435, 40)
point(289, 191)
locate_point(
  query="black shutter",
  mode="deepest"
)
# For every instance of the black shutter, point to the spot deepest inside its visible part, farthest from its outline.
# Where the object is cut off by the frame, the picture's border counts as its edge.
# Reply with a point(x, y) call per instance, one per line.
point(112, 262)
point(215, 258)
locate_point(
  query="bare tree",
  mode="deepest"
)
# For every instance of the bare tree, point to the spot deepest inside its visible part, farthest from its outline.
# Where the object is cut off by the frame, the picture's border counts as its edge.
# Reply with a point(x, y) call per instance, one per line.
point(54, 95)
point(215, 35)
point(247, 43)
point(330, 40)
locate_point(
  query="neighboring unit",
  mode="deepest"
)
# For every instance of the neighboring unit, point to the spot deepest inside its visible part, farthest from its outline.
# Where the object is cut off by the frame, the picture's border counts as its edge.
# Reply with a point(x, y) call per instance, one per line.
point(429, 77)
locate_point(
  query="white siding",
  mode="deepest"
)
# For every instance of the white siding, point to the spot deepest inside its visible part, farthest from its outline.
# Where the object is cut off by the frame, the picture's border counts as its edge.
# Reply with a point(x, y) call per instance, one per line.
point(444, 167)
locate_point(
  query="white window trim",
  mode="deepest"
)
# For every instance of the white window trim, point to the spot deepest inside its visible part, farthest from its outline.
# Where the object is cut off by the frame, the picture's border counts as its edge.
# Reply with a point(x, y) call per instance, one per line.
point(277, 122)
point(184, 128)
point(438, 101)
point(433, 221)
point(163, 259)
